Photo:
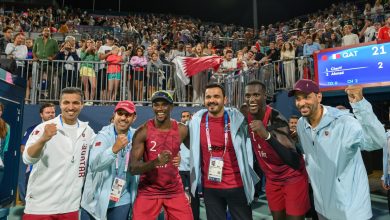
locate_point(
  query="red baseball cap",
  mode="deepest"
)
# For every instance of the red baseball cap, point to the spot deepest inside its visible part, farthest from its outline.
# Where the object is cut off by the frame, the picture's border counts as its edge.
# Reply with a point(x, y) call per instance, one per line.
point(128, 106)
point(306, 86)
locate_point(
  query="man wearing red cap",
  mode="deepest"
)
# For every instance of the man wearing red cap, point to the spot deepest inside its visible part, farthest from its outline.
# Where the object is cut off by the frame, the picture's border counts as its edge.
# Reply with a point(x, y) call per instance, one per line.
point(154, 144)
point(109, 189)
point(332, 140)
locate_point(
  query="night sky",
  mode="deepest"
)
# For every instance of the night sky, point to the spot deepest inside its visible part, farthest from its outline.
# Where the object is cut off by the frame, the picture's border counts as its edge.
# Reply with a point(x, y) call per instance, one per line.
point(225, 11)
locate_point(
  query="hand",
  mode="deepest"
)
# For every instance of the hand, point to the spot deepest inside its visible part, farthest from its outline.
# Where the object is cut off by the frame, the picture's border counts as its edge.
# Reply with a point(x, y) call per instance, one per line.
point(176, 160)
point(49, 131)
point(293, 133)
point(120, 143)
point(258, 127)
point(163, 158)
point(355, 93)
point(386, 187)
point(50, 58)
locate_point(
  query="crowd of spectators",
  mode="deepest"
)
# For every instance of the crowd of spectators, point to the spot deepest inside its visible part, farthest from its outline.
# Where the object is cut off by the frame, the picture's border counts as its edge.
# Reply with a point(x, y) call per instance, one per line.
point(161, 38)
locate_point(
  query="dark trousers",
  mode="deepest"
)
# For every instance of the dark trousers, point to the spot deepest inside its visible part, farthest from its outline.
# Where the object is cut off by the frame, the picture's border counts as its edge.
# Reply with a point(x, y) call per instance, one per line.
point(185, 178)
point(388, 200)
point(120, 212)
point(218, 200)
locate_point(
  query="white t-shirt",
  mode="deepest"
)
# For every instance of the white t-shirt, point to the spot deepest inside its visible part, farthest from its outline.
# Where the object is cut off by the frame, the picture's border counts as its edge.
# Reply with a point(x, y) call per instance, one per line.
point(103, 50)
point(350, 39)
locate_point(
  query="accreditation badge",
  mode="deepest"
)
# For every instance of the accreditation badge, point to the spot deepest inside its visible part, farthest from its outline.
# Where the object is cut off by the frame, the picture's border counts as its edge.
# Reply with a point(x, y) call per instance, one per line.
point(117, 188)
point(215, 169)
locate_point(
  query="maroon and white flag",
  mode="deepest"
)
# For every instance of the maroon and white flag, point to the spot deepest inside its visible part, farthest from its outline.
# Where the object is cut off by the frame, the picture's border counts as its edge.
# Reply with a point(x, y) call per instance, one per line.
point(187, 67)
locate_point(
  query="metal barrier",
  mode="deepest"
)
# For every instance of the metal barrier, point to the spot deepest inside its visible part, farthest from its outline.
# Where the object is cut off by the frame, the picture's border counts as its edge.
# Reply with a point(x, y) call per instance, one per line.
point(278, 75)
point(46, 79)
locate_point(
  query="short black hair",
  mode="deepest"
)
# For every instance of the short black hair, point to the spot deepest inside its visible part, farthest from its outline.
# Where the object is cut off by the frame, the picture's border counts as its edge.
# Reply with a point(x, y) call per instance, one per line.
point(215, 85)
point(257, 82)
point(294, 117)
point(185, 111)
point(72, 90)
point(45, 105)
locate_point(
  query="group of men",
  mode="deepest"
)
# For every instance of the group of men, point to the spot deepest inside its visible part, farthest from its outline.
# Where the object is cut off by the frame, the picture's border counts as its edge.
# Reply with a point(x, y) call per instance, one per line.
point(122, 170)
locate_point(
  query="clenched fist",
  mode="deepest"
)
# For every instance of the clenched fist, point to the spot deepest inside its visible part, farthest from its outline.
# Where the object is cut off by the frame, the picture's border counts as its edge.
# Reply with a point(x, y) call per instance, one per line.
point(258, 127)
point(120, 143)
point(164, 157)
point(355, 93)
point(49, 131)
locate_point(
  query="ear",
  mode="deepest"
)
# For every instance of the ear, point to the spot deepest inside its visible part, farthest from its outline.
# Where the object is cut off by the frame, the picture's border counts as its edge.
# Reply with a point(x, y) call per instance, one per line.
point(319, 97)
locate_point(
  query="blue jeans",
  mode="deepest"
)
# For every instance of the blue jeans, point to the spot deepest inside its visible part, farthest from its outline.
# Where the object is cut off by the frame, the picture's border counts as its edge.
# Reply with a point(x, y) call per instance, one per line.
point(120, 212)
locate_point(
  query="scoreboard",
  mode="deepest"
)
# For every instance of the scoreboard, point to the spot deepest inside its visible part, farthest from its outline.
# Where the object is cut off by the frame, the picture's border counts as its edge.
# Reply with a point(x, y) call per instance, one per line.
point(366, 64)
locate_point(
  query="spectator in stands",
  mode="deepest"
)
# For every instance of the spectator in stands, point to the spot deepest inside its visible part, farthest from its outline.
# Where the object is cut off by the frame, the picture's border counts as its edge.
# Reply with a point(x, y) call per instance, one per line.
point(334, 40)
point(138, 64)
point(29, 44)
point(310, 46)
point(209, 50)
point(6, 38)
point(273, 53)
point(368, 31)
point(349, 38)
point(368, 11)
point(384, 32)
point(378, 11)
point(56, 169)
point(287, 54)
point(104, 52)
point(154, 74)
point(45, 47)
point(68, 74)
point(299, 54)
point(189, 50)
point(17, 50)
point(229, 64)
point(87, 70)
point(114, 72)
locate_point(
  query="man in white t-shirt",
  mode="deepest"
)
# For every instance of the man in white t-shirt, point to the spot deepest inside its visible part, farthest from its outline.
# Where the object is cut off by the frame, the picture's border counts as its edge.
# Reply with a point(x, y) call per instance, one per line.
point(349, 37)
point(368, 31)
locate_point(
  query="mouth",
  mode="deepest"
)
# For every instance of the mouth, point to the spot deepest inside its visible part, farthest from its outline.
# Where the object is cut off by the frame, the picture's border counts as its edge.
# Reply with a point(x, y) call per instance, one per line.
point(304, 110)
point(253, 107)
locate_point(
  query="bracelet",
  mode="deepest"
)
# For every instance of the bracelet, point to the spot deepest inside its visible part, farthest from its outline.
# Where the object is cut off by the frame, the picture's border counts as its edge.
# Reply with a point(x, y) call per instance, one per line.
point(269, 136)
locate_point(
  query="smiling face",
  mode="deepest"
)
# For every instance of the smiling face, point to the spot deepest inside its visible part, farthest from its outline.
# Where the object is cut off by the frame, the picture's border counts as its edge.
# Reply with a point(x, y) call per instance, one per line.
point(123, 120)
point(255, 98)
point(215, 101)
point(162, 110)
point(308, 104)
point(71, 105)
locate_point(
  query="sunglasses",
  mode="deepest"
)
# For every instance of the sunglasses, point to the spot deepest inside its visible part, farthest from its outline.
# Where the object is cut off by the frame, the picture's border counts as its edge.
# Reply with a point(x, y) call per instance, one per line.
point(126, 114)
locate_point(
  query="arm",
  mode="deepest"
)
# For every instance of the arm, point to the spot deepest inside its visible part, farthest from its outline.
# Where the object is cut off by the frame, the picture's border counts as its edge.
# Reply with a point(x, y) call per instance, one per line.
point(280, 141)
point(374, 136)
point(35, 47)
point(104, 153)
point(9, 48)
point(37, 141)
point(137, 166)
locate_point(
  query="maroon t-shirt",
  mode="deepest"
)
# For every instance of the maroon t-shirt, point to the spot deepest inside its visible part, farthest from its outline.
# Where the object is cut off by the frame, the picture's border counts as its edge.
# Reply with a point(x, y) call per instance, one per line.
point(165, 181)
point(275, 170)
point(231, 177)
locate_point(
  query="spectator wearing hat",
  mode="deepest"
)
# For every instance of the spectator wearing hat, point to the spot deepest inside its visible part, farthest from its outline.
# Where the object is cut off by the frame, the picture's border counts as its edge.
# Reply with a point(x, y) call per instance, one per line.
point(108, 164)
point(332, 140)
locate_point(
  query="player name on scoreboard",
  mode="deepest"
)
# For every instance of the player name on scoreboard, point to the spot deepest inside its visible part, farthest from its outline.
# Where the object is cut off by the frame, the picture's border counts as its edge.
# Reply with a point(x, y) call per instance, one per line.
point(367, 64)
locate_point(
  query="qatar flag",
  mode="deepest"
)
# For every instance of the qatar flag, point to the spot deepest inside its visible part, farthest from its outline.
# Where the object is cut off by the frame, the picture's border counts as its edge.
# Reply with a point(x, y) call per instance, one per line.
point(189, 66)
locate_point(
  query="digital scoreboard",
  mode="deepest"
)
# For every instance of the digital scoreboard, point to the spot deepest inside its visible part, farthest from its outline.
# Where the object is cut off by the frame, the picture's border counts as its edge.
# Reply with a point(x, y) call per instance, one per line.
point(366, 64)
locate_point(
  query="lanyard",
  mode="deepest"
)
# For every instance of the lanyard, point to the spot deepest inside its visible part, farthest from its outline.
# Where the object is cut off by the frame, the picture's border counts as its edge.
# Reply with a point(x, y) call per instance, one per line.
point(62, 123)
point(123, 151)
point(226, 131)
